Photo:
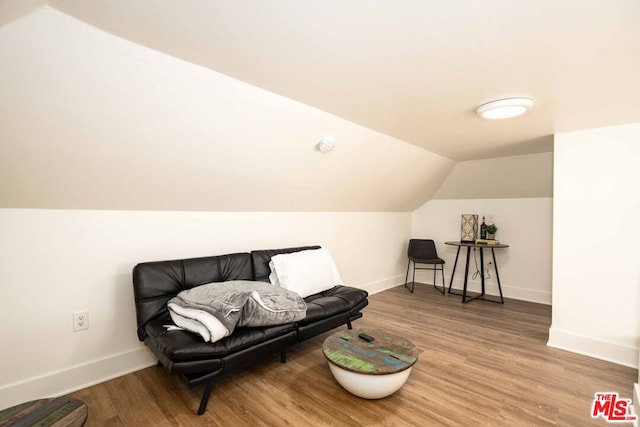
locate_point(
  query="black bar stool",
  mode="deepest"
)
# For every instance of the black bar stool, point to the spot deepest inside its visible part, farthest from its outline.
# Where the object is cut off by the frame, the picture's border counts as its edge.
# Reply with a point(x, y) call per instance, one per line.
point(423, 251)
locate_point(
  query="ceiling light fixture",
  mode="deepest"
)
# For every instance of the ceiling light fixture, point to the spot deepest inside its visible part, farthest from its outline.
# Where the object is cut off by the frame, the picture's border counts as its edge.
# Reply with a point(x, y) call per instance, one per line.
point(505, 108)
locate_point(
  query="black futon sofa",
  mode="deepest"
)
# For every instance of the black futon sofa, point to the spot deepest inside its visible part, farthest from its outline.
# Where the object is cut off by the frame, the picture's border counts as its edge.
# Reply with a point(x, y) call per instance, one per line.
point(186, 354)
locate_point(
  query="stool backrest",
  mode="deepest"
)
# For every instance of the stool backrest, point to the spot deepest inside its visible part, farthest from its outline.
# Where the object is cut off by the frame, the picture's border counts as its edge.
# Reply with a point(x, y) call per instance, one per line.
point(422, 248)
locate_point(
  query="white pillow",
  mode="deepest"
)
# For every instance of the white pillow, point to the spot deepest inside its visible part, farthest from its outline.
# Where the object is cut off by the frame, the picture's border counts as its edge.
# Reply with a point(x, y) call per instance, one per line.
point(273, 277)
point(305, 272)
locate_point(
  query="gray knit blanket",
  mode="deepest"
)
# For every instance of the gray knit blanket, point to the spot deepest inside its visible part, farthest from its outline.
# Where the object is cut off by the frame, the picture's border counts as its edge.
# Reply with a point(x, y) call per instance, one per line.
point(214, 310)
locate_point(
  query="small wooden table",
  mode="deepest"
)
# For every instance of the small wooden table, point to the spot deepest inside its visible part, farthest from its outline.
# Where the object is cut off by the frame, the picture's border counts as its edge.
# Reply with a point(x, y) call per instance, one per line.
point(481, 246)
point(371, 370)
point(61, 411)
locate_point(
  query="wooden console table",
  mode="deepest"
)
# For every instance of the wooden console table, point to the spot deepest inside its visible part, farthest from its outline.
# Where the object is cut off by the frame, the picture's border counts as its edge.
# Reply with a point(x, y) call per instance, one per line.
point(470, 245)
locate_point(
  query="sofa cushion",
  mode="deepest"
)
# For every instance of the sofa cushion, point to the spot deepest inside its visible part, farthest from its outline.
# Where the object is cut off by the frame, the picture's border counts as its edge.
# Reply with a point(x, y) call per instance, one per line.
point(179, 345)
point(336, 300)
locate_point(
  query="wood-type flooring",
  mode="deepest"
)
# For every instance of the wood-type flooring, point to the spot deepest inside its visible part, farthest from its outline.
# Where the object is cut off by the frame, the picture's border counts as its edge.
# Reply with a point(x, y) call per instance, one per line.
point(481, 364)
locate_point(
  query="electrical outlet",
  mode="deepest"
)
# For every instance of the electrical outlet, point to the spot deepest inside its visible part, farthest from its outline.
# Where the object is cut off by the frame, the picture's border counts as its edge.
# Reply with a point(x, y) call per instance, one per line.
point(80, 320)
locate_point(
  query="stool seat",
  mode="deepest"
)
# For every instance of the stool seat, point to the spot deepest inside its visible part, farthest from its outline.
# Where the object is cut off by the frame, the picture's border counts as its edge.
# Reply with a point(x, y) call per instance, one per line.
point(427, 260)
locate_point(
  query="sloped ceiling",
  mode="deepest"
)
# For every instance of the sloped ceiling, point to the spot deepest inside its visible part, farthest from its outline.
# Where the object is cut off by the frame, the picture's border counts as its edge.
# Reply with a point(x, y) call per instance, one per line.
point(90, 120)
point(412, 69)
point(510, 177)
point(157, 104)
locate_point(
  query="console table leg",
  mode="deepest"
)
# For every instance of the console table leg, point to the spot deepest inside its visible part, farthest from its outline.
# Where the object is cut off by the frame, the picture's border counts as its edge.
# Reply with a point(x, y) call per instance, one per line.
point(453, 272)
point(466, 276)
point(482, 269)
point(495, 267)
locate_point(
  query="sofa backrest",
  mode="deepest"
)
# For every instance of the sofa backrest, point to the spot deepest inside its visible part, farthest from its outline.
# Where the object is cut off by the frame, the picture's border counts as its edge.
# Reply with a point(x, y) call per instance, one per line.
point(155, 283)
point(261, 259)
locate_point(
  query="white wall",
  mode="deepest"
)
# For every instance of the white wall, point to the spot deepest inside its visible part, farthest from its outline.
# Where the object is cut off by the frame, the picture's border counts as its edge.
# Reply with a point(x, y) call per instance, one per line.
point(54, 262)
point(523, 224)
point(596, 260)
point(516, 192)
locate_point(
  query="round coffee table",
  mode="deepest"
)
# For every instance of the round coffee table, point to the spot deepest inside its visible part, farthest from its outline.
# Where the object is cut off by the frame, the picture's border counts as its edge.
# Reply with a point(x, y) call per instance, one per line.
point(370, 369)
point(61, 411)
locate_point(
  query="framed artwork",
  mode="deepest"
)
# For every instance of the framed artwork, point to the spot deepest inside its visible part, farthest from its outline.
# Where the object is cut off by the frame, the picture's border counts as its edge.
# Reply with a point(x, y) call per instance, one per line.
point(469, 228)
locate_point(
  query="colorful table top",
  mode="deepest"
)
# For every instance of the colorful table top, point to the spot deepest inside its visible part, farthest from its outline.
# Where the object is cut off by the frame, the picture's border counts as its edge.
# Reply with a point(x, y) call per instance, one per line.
point(61, 411)
point(386, 354)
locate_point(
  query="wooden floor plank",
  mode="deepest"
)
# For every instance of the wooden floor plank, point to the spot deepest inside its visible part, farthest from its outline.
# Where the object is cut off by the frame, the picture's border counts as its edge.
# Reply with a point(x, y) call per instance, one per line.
point(481, 364)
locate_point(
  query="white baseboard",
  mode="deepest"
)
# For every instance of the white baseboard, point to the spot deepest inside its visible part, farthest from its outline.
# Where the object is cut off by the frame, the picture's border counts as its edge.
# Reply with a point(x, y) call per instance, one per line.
point(77, 377)
point(68, 380)
point(382, 285)
point(531, 295)
point(593, 347)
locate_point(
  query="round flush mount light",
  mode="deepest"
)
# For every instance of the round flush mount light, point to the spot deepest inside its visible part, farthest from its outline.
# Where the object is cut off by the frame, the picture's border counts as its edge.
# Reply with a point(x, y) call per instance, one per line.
point(505, 108)
point(325, 144)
